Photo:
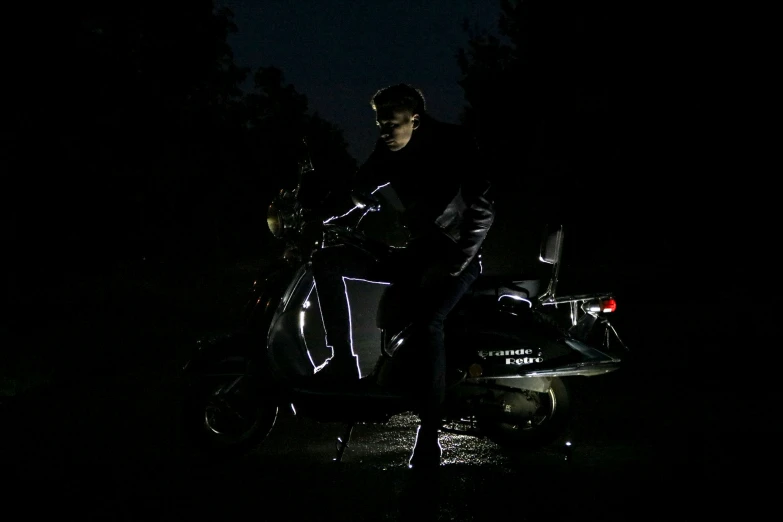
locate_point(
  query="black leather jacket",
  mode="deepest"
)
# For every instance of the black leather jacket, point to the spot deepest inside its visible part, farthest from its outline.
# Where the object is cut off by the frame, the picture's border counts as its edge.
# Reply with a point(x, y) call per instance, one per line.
point(438, 177)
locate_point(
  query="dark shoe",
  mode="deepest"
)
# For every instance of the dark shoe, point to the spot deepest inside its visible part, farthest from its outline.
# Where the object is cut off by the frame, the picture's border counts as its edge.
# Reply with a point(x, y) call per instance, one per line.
point(426, 451)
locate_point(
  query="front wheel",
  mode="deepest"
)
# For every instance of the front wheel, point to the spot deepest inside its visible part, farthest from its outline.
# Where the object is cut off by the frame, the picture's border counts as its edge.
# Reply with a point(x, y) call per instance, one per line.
point(225, 414)
point(527, 419)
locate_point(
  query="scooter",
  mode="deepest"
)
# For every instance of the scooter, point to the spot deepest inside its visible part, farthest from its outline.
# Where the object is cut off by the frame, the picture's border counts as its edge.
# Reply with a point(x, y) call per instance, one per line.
point(511, 345)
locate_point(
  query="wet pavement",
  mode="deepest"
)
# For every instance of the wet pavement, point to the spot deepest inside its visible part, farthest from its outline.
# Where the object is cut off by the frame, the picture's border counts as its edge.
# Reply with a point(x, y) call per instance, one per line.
point(114, 447)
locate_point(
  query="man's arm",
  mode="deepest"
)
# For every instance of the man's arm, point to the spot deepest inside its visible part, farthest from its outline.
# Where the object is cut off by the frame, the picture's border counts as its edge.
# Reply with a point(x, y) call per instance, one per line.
point(479, 214)
point(476, 222)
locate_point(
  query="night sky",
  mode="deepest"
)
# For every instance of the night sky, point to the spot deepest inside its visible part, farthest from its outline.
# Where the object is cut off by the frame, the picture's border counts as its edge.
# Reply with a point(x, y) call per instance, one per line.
point(339, 52)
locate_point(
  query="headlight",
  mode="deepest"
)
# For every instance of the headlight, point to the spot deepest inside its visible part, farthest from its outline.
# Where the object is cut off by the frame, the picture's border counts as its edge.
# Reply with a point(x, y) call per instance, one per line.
point(274, 221)
point(282, 214)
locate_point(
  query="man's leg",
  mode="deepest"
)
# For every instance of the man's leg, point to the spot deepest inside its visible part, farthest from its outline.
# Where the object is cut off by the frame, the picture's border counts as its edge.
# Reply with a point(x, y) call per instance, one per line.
point(436, 303)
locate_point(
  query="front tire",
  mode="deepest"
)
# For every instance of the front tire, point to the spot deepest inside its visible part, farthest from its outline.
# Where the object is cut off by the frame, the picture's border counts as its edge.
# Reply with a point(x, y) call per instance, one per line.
point(226, 415)
point(529, 419)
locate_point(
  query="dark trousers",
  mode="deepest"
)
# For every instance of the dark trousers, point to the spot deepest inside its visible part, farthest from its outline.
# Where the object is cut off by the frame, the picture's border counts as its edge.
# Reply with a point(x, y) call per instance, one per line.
point(429, 294)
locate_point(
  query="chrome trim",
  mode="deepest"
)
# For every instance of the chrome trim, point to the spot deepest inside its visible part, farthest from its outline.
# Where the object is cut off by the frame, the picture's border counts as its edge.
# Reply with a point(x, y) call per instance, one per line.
point(573, 302)
point(577, 298)
point(585, 372)
point(289, 292)
point(590, 351)
point(549, 294)
point(397, 340)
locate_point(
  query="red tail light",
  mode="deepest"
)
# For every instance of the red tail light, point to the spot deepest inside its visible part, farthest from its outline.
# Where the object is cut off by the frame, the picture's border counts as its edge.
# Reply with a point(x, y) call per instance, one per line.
point(608, 305)
point(600, 306)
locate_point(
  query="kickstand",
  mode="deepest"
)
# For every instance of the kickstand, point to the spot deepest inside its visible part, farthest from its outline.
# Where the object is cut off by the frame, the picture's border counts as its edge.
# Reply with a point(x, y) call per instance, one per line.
point(342, 441)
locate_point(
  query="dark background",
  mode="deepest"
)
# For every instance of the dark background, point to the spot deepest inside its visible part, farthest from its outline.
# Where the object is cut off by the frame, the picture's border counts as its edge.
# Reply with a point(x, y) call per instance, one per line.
point(140, 159)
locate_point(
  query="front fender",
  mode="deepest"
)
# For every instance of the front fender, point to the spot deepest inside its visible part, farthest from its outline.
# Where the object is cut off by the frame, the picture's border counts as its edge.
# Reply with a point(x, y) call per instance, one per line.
point(235, 354)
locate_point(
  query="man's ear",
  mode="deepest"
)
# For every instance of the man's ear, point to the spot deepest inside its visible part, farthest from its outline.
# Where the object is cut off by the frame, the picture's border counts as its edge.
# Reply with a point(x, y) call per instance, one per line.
point(416, 121)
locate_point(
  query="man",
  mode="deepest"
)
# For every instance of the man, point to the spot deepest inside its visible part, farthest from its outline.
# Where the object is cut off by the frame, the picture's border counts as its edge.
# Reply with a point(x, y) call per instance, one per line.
point(435, 170)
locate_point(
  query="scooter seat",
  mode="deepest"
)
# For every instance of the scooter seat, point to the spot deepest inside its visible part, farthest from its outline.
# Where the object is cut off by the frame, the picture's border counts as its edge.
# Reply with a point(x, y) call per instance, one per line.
point(497, 285)
point(392, 314)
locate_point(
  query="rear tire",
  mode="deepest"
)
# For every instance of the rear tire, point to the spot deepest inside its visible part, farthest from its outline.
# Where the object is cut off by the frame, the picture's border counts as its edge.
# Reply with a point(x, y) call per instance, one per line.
point(517, 429)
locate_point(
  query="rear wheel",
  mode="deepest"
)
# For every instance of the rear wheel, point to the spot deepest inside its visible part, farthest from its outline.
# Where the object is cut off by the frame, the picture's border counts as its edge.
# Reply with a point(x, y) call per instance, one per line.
point(526, 419)
point(226, 414)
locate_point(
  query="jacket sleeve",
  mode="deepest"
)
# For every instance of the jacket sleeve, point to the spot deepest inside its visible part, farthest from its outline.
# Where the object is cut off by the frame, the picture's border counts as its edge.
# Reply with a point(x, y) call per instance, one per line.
point(479, 212)
point(476, 221)
point(369, 177)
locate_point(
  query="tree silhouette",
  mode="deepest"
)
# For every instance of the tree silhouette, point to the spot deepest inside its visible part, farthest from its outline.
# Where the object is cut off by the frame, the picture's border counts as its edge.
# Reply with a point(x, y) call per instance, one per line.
point(132, 137)
point(538, 97)
point(276, 118)
point(550, 99)
point(279, 118)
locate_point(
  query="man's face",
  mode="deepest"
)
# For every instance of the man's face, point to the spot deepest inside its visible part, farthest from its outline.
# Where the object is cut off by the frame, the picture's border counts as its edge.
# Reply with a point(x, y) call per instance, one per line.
point(396, 127)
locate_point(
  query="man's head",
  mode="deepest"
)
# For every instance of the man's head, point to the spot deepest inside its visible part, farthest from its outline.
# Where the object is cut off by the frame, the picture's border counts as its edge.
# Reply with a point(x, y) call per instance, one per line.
point(398, 112)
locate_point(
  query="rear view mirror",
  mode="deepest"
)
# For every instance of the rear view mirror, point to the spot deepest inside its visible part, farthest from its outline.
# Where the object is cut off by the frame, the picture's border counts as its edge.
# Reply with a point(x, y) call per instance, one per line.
point(304, 162)
point(551, 244)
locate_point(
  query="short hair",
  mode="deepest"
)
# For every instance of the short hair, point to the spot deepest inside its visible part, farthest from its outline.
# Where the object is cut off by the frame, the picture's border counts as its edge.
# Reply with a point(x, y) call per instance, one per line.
point(400, 96)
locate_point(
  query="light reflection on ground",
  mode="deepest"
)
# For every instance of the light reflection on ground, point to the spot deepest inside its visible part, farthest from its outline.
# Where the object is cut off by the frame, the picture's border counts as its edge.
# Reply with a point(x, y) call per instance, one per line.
point(383, 446)
point(127, 439)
